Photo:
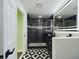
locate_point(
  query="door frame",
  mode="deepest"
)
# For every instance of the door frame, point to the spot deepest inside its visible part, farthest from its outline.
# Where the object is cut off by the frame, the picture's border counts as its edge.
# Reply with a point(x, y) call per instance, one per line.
point(21, 8)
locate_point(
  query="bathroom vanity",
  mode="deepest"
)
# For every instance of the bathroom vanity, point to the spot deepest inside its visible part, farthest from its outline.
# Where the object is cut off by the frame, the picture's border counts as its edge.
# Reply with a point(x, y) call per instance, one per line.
point(65, 48)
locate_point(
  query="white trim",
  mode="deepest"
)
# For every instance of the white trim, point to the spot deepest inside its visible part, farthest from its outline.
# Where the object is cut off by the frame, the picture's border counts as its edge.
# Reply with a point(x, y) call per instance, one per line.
point(53, 49)
point(19, 50)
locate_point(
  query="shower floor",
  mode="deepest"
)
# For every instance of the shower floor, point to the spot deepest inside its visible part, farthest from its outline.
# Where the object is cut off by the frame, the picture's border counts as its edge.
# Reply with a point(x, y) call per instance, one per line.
point(36, 53)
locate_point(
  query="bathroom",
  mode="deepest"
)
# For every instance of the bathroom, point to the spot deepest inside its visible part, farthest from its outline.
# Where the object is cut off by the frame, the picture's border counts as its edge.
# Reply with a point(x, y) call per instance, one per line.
point(39, 29)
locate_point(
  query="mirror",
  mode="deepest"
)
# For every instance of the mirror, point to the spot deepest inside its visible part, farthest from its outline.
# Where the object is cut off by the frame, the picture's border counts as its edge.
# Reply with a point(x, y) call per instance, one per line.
point(66, 17)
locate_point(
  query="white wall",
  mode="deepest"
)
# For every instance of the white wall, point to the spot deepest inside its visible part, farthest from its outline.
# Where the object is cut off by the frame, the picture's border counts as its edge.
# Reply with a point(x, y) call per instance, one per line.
point(10, 25)
point(78, 17)
point(1, 27)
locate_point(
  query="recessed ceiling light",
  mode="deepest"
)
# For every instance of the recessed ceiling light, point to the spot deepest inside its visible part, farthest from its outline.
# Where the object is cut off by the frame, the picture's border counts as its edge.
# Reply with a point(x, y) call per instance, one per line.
point(40, 16)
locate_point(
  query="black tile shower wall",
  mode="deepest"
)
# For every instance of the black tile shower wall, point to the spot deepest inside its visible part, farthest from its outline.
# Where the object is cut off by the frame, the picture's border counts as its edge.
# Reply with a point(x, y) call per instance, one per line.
point(38, 35)
point(34, 35)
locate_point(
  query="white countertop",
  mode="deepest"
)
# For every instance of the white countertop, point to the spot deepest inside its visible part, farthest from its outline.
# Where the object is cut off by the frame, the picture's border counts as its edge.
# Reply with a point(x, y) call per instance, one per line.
point(65, 37)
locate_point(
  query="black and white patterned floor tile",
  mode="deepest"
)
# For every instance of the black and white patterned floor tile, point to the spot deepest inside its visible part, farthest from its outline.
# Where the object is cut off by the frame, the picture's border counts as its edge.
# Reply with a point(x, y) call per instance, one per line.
point(36, 53)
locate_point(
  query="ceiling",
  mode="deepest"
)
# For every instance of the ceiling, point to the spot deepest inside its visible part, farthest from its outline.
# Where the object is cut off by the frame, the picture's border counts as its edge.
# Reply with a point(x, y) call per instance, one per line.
point(43, 8)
